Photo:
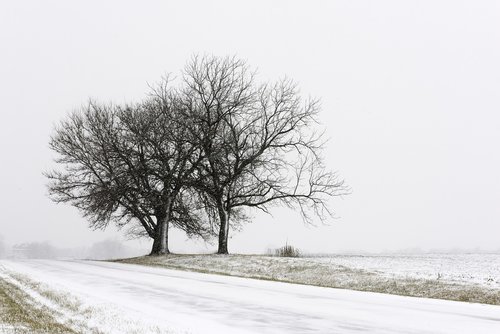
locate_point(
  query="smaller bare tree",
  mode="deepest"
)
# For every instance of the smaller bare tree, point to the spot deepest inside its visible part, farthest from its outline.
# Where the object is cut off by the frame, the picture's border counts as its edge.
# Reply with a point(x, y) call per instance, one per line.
point(258, 142)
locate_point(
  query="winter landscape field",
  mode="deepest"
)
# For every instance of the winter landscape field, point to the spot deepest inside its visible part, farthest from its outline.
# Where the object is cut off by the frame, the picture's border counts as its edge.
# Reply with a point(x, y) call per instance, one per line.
point(225, 167)
point(471, 269)
point(78, 296)
point(463, 277)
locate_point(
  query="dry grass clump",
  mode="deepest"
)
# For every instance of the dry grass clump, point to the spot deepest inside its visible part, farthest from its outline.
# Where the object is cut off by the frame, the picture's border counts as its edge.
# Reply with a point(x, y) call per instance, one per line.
point(287, 251)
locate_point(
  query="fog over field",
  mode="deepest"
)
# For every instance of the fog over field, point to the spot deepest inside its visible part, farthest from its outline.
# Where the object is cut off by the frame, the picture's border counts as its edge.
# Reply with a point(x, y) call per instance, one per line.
point(409, 93)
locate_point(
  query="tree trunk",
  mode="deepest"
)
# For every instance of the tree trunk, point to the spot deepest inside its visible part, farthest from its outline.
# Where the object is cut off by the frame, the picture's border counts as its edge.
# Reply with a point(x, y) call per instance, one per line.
point(164, 237)
point(224, 229)
point(156, 243)
point(160, 241)
point(160, 244)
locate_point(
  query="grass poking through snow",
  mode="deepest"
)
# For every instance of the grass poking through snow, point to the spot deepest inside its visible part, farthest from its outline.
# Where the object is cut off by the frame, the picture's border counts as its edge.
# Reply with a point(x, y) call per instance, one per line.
point(310, 271)
point(19, 313)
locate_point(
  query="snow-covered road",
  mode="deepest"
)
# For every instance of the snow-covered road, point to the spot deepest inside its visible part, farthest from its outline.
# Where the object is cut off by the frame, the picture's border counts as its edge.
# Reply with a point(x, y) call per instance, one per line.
point(209, 303)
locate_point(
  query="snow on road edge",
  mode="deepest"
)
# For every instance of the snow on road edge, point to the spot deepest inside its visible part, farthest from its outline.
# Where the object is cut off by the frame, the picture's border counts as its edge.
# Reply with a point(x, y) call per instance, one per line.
point(78, 311)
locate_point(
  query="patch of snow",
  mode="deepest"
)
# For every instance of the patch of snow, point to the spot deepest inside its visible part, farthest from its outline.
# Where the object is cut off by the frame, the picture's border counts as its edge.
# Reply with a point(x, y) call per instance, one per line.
point(480, 269)
point(203, 303)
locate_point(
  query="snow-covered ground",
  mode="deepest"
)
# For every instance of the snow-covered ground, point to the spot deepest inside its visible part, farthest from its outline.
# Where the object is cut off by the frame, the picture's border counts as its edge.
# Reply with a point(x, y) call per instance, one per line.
point(177, 301)
point(480, 269)
point(465, 277)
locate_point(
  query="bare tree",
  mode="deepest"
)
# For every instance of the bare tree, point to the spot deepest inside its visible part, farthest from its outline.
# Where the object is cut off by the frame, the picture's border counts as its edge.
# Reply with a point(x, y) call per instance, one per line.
point(258, 144)
point(127, 165)
point(166, 155)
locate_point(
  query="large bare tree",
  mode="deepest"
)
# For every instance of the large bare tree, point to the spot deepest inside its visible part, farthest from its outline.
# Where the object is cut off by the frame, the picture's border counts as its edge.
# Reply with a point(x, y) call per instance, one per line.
point(127, 165)
point(259, 144)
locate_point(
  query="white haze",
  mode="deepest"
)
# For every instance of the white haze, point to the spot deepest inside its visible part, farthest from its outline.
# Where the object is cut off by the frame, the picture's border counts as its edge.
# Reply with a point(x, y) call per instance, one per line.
point(410, 95)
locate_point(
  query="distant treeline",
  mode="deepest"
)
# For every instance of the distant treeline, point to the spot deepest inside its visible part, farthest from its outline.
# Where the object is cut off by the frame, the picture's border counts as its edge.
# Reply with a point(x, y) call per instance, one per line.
point(107, 249)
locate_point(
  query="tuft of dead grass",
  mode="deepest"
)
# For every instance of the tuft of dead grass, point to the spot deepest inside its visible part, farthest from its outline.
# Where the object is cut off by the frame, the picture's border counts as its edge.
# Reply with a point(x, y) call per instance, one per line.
point(287, 251)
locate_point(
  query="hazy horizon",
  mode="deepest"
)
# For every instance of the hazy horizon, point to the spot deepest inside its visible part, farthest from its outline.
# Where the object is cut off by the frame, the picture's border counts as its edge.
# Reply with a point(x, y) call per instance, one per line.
point(409, 95)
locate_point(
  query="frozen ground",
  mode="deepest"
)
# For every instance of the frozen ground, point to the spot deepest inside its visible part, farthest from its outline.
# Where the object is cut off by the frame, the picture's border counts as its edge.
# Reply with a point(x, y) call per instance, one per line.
point(470, 269)
point(469, 277)
point(124, 297)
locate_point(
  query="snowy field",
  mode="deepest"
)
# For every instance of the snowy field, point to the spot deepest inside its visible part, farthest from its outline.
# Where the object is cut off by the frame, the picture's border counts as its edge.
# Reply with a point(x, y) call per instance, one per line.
point(471, 269)
point(101, 297)
point(463, 277)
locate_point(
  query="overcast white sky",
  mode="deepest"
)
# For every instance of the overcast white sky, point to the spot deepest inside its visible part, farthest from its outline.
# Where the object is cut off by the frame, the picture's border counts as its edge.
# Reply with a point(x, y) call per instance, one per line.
point(410, 93)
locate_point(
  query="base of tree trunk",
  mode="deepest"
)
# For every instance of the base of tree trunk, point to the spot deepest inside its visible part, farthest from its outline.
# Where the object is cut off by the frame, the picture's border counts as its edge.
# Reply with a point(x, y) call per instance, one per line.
point(159, 253)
